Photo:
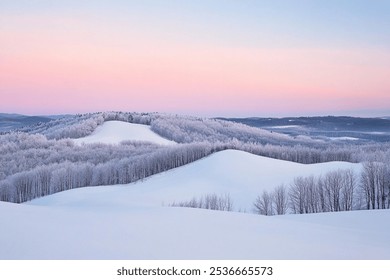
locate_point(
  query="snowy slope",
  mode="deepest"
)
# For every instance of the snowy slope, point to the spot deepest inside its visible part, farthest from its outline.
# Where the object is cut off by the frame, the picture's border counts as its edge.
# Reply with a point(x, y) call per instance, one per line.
point(113, 132)
point(31, 232)
point(130, 221)
point(240, 174)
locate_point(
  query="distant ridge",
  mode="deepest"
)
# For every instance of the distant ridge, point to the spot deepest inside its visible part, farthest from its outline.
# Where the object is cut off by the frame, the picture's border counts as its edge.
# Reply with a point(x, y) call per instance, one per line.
point(377, 129)
point(14, 121)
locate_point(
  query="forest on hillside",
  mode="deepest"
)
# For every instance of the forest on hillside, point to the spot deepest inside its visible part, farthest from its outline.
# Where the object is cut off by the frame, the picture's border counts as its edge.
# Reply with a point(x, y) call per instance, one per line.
point(42, 159)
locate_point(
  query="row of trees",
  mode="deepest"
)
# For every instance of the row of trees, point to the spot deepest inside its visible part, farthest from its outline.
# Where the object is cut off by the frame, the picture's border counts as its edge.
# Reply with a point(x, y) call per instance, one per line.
point(57, 177)
point(186, 129)
point(22, 152)
point(340, 190)
point(209, 201)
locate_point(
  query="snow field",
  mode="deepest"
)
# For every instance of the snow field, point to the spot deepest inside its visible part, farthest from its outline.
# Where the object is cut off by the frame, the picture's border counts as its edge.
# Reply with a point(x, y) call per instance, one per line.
point(179, 233)
point(114, 132)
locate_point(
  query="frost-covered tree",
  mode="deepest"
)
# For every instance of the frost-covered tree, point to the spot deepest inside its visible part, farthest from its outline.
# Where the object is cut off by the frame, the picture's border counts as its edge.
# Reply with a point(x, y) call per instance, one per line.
point(333, 184)
point(280, 200)
point(263, 204)
point(348, 191)
point(297, 196)
point(375, 181)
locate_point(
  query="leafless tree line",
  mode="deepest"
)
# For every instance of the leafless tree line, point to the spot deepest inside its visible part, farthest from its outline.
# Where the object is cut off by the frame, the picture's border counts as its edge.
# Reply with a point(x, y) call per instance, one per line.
point(56, 177)
point(209, 201)
point(341, 190)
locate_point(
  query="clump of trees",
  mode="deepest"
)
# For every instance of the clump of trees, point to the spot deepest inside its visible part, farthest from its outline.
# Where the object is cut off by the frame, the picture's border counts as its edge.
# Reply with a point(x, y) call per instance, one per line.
point(340, 190)
point(331, 193)
point(208, 201)
point(375, 184)
point(272, 203)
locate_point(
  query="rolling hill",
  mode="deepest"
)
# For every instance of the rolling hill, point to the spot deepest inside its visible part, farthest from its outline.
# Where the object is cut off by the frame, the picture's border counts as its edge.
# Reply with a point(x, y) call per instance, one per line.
point(135, 221)
point(114, 132)
point(131, 221)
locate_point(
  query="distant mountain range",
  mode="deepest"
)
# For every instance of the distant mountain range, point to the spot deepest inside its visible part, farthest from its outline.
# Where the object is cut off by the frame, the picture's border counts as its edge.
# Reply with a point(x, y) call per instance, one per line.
point(377, 129)
point(332, 123)
point(14, 121)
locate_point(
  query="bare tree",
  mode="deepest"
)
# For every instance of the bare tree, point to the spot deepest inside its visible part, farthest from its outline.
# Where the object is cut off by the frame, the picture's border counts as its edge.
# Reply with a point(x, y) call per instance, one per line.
point(280, 200)
point(368, 183)
point(333, 183)
point(323, 206)
point(312, 195)
point(297, 196)
point(382, 182)
point(348, 190)
point(263, 204)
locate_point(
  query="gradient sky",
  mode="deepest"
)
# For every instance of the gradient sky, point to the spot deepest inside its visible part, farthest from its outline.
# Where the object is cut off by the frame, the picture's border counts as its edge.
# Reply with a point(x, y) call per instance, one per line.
point(203, 57)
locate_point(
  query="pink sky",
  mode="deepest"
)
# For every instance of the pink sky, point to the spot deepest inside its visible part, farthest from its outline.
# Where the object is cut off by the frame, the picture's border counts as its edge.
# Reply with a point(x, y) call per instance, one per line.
point(74, 67)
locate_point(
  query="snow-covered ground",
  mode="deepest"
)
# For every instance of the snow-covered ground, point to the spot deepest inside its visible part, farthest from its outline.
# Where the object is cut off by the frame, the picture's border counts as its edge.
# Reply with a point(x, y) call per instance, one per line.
point(114, 132)
point(131, 221)
point(344, 138)
point(31, 232)
point(285, 126)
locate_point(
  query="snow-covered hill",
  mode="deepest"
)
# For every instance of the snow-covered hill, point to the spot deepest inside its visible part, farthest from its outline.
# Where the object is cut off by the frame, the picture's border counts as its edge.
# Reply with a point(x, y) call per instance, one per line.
point(114, 132)
point(134, 222)
point(241, 175)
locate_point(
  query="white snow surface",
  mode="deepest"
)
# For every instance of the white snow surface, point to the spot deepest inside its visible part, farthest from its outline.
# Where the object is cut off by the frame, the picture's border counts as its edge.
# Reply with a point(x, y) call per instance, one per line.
point(131, 222)
point(286, 126)
point(344, 138)
point(114, 132)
